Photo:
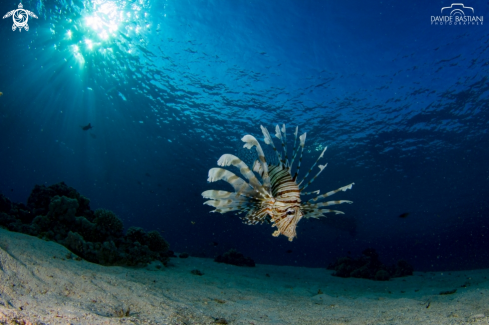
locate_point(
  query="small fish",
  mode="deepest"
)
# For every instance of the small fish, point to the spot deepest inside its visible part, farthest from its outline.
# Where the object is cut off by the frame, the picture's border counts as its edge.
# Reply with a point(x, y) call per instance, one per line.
point(1, 94)
point(404, 215)
point(276, 199)
point(86, 127)
point(289, 251)
point(192, 222)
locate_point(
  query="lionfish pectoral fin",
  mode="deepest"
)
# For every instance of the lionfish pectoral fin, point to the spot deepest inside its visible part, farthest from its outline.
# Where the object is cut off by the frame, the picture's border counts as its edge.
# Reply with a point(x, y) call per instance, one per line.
point(228, 160)
point(223, 206)
point(240, 186)
point(256, 216)
point(215, 194)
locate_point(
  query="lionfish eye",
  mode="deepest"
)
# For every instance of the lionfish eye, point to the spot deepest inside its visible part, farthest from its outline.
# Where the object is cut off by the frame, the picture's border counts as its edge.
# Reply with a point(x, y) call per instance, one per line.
point(290, 211)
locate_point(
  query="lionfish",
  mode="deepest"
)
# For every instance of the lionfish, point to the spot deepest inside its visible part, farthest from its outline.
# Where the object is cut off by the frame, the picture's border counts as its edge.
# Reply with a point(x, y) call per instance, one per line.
point(276, 198)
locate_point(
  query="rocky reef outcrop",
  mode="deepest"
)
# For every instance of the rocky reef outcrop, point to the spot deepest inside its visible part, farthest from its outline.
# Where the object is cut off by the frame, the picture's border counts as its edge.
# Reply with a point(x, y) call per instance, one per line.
point(369, 266)
point(61, 214)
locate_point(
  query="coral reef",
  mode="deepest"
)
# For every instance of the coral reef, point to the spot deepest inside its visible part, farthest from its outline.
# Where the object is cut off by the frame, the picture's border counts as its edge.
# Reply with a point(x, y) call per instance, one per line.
point(234, 258)
point(368, 266)
point(59, 213)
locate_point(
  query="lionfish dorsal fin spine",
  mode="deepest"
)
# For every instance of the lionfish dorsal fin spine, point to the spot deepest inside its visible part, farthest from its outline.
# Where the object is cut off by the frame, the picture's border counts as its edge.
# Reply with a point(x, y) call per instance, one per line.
point(269, 141)
point(294, 149)
point(321, 167)
point(302, 141)
point(284, 144)
point(279, 135)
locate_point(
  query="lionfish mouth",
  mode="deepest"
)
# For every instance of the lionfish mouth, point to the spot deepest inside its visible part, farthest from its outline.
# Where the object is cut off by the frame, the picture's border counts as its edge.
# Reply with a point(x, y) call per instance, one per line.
point(271, 192)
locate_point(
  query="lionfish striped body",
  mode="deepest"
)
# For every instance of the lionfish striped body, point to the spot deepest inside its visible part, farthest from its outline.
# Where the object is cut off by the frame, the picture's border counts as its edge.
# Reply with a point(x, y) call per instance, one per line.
point(277, 198)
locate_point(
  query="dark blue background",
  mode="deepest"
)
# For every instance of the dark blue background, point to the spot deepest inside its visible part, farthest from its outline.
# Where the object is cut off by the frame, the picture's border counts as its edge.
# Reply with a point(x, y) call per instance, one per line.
point(172, 85)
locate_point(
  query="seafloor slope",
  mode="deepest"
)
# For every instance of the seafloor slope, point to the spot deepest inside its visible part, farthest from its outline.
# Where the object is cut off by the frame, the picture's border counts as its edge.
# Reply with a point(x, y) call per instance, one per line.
point(43, 283)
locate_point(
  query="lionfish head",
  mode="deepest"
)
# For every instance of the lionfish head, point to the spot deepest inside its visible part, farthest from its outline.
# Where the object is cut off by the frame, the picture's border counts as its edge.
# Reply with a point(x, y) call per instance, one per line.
point(286, 221)
point(270, 193)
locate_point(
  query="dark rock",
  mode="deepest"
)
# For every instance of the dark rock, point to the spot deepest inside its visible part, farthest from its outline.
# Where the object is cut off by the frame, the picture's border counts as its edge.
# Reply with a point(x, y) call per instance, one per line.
point(5, 204)
point(368, 266)
point(234, 258)
point(382, 275)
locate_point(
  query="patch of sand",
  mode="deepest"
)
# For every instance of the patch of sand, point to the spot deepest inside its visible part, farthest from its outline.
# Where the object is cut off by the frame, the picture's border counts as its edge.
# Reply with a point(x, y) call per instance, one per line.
point(43, 283)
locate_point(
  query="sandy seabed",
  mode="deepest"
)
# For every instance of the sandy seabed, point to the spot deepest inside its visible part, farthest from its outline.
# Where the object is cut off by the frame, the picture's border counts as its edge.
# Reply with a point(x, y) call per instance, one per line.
point(43, 283)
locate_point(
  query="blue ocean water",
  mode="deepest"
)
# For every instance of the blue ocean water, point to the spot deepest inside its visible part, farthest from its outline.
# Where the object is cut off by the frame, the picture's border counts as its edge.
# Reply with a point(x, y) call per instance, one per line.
point(169, 86)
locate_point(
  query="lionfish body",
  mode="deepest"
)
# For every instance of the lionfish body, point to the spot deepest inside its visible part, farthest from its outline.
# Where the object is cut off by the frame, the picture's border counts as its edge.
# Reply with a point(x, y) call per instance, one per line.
point(276, 198)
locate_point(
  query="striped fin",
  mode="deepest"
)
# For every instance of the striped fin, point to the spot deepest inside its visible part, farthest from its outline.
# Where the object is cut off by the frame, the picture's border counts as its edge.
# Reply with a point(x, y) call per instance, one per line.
point(344, 188)
point(321, 167)
point(256, 216)
point(269, 141)
point(312, 192)
point(223, 206)
point(257, 168)
point(302, 142)
point(326, 204)
point(250, 142)
point(228, 160)
point(239, 185)
point(215, 194)
point(294, 151)
point(318, 213)
point(279, 135)
point(284, 135)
